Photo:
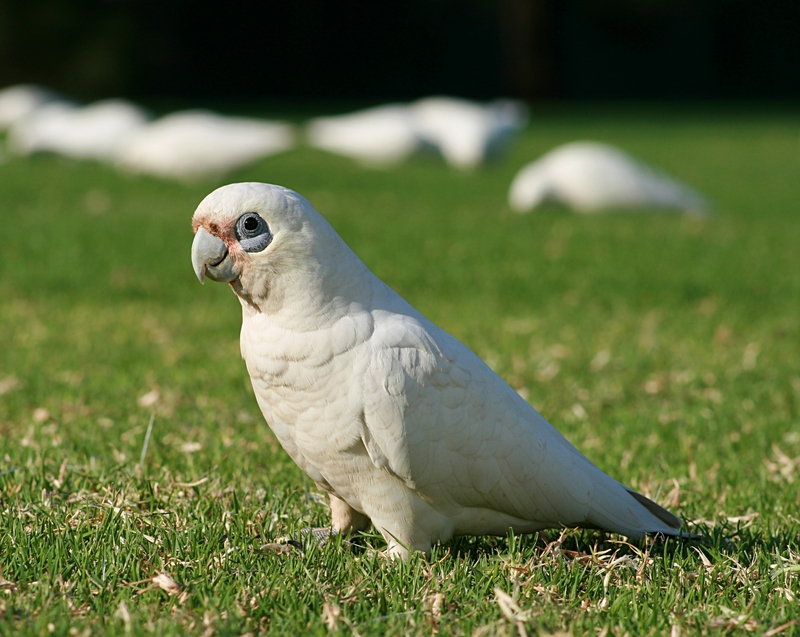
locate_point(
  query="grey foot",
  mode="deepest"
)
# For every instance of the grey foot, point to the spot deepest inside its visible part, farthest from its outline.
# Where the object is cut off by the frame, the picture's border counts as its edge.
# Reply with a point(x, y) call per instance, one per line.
point(321, 534)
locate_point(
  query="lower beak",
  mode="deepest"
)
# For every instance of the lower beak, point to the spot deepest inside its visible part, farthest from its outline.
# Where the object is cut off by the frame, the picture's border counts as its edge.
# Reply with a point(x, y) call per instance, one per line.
point(210, 258)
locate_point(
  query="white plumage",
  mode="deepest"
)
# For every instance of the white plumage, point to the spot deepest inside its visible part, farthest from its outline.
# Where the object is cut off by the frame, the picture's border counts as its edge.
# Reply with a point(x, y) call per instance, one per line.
point(589, 176)
point(19, 101)
point(378, 136)
point(197, 143)
point(398, 421)
point(466, 132)
point(95, 131)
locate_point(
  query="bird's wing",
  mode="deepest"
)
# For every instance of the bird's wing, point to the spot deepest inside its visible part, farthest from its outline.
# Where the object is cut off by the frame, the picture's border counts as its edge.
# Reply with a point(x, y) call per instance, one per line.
point(453, 431)
point(400, 357)
point(457, 431)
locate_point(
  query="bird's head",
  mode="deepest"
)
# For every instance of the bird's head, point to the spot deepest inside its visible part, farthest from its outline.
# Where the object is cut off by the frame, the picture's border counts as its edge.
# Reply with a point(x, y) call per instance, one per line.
point(269, 244)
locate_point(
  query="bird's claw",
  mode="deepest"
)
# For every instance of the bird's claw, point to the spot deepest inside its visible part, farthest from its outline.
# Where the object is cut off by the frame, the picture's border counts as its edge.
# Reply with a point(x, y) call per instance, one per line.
point(321, 534)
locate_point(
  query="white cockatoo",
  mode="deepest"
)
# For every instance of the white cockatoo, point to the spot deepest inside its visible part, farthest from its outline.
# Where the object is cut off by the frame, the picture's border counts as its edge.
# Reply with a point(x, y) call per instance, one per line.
point(19, 101)
point(95, 131)
point(198, 143)
point(375, 136)
point(467, 132)
point(399, 422)
point(589, 176)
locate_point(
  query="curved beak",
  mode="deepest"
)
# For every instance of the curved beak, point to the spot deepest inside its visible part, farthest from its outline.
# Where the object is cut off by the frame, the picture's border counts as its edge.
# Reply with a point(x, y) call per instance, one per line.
point(210, 258)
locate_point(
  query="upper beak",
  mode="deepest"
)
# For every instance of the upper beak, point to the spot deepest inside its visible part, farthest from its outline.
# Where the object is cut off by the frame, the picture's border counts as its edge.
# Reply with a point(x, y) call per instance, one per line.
point(210, 258)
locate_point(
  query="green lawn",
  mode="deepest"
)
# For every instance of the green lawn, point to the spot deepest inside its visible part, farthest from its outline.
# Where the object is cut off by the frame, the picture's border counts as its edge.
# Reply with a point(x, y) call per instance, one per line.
point(666, 348)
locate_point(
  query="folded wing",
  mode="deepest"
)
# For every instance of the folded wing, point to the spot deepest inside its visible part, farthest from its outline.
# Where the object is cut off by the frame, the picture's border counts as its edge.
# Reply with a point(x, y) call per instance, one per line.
point(459, 436)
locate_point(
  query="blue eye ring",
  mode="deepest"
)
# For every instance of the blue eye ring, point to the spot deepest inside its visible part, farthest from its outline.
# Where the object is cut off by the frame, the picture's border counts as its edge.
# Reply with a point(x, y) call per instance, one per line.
point(252, 232)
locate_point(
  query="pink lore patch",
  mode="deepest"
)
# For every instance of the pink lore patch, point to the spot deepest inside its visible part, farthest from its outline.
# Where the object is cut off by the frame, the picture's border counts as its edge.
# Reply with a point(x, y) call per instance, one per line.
point(222, 231)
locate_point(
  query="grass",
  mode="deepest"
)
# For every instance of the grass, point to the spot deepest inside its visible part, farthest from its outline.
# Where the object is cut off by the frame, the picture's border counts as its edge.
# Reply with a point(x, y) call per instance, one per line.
point(665, 347)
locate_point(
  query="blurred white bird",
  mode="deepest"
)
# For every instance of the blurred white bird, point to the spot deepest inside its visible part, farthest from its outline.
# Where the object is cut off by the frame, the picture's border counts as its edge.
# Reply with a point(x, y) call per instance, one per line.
point(95, 131)
point(466, 132)
point(378, 136)
point(589, 176)
point(192, 144)
point(397, 420)
point(17, 102)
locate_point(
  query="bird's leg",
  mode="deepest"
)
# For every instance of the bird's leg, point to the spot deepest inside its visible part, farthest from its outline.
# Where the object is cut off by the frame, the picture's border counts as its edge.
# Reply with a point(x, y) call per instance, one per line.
point(344, 518)
point(396, 551)
point(397, 548)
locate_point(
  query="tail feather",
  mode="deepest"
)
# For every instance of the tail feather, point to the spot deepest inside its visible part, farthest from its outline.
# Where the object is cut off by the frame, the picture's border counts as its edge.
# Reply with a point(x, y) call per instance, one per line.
point(672, 521)
point(620, 509)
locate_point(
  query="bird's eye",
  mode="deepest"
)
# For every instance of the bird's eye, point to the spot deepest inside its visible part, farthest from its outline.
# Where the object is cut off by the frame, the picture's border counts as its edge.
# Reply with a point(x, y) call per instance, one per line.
point(252, 232)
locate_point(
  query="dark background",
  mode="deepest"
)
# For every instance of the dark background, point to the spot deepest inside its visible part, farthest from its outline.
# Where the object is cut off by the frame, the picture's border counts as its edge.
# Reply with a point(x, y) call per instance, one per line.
point(378, 49)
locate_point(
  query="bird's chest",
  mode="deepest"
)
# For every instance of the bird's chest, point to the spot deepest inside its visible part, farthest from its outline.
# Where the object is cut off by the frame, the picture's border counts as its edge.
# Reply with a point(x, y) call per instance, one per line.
point(308, 386)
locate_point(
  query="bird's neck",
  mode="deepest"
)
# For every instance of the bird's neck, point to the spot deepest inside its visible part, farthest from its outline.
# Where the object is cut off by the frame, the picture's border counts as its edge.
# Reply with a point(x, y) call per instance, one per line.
point(313, 296)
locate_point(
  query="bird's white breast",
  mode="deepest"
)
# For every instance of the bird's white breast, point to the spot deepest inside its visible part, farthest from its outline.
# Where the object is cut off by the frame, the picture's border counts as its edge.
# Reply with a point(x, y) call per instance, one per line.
point(296, 377)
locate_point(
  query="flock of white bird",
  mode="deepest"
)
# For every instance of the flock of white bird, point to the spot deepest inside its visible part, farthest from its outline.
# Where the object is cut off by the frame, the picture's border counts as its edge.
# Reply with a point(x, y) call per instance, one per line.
point(401, 424)
point(584, 176)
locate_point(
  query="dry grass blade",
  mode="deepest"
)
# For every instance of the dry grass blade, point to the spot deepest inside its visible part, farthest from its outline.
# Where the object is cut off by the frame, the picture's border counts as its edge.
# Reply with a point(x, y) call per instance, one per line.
point(122, 613)
point(730, 619)
point(434, 603)
point(167, 584)
point(330, 614)
point(512, 611)
point(5, 584)
point(780, 629)
point(276, 547)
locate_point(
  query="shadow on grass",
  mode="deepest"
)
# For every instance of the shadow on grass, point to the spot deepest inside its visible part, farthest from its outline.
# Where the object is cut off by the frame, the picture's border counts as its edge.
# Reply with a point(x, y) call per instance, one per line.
point(714, 543)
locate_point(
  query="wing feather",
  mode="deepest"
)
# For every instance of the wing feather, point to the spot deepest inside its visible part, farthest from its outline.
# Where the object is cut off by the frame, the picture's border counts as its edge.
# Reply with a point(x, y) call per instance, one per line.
point(456, 433)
